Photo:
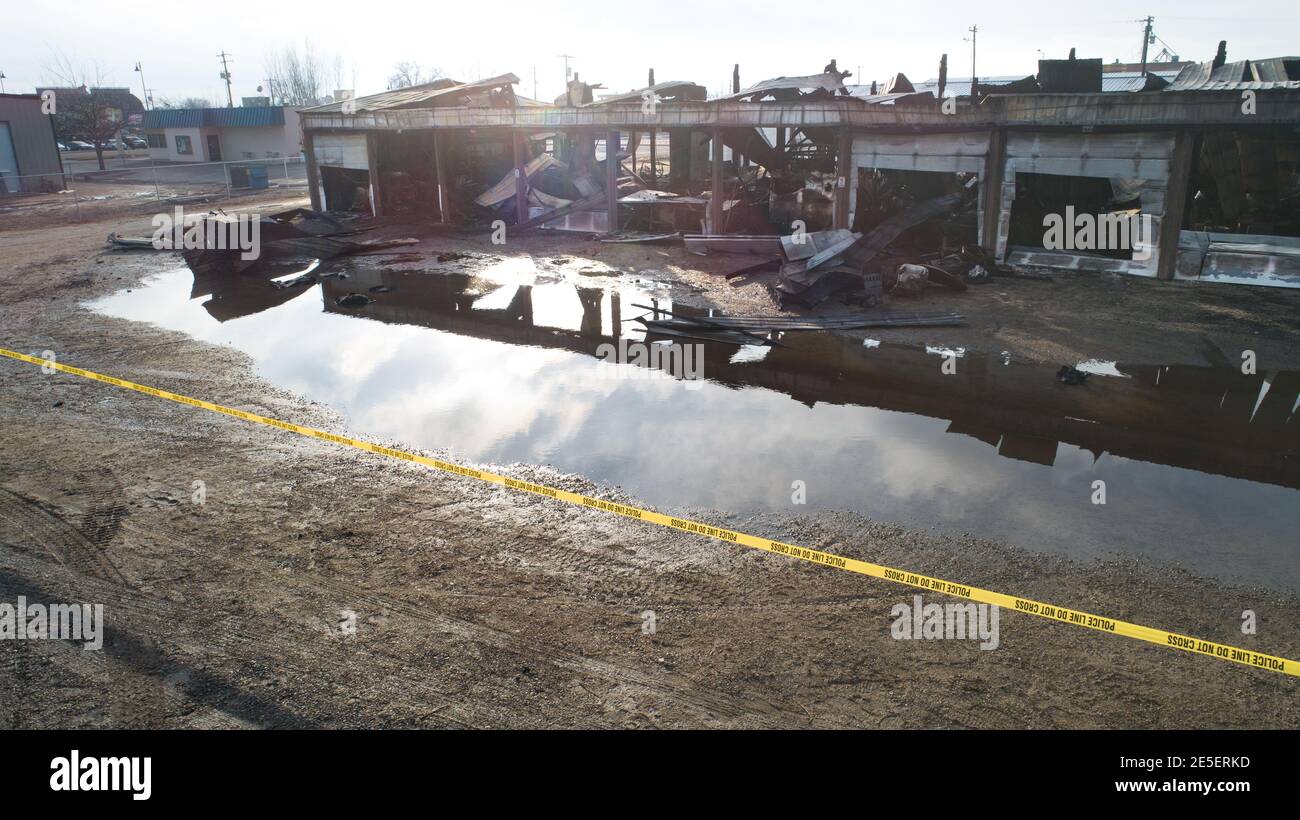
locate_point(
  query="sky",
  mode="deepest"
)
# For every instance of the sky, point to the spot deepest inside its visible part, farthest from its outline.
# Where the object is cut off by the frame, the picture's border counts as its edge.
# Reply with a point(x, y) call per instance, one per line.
point(613, 44)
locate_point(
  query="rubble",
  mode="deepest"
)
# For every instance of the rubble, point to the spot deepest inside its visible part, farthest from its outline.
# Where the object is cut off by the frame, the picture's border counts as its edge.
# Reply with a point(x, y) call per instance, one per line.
point(504, 191)
point(768, 324)
point(129, 242)
point(703, 244)
point(910, 279)
point(295, 234)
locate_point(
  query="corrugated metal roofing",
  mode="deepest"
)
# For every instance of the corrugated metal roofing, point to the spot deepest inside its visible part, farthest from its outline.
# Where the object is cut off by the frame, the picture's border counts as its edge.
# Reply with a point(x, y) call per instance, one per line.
point(886, 99)
point(813, 82)
point(247, 117)
point(1132, 80)
point(1277, 69)
point(1110, 81)
point(670, 88)
point(174, 118)
point(1276, 72)
point(414, 96)
point(955, 86)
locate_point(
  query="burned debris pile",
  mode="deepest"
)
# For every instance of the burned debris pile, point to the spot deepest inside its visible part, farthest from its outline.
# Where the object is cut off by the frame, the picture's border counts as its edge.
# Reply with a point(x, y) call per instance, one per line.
point(908, 250)
point(761, 330)
point(221, 242)
point(294, 234)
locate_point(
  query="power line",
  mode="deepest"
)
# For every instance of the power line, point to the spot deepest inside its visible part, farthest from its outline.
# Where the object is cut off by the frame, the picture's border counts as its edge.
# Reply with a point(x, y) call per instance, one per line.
point(567, 57)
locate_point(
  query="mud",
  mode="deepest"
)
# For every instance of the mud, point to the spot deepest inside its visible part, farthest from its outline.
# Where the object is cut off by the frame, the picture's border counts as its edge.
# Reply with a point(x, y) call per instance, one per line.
point(474, 606)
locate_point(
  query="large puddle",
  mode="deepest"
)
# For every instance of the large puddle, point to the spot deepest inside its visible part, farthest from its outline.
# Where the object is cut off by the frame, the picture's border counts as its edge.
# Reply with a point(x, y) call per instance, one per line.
point(1200, 464)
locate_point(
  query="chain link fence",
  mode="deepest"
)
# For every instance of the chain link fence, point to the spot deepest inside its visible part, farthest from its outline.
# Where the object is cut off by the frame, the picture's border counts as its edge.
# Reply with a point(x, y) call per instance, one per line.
point(83, 191)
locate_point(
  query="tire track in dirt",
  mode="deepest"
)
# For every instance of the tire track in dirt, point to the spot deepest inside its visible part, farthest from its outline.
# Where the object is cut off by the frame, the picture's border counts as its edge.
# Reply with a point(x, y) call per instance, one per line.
point(79, 547)
point(707, 704)
point(76, 549)
point(548, 549)
point(145, 623)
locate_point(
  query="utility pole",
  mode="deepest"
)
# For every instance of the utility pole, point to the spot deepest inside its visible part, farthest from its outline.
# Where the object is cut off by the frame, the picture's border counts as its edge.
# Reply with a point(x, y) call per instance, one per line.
point(143, 88)
point(1146, 41)
point(974, 30)
point(535, 97)
point(567, 57)
point(225, 75)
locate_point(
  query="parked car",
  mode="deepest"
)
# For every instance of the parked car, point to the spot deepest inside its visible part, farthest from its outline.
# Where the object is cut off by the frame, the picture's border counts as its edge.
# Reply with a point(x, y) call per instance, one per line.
point(62, 147)
point(78, 145)
point(135, 142)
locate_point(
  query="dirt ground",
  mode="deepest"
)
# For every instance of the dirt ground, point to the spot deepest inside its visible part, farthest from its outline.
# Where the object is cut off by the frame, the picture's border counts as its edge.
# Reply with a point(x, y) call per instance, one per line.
point(120, 196)
point(478, 607)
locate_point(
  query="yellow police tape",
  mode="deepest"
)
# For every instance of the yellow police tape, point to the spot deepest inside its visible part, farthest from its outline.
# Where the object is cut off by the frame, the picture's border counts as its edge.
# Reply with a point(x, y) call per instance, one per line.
point(1059, 614)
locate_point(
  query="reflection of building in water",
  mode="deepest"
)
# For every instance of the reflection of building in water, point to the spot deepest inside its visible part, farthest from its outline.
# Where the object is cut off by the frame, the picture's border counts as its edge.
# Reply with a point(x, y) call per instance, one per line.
point(242, 294)
point(1215, 420)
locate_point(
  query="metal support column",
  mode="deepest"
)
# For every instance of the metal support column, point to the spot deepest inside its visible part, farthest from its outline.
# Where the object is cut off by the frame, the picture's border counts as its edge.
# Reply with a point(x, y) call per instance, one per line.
point(716, 196)
point(612, 140)
point(843, 168)
point(521, 178)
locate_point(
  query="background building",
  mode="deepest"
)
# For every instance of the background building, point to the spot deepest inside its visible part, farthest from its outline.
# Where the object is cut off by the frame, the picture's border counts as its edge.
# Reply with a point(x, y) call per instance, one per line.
point(27, 146)
point(222, 134)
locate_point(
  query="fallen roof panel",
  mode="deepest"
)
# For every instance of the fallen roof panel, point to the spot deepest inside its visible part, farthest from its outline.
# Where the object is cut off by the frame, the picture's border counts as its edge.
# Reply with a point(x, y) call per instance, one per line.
point(415, 96)
point(812, 82)
point(732, 243)
point(678, 89)
point(863, 93)
point(1241, 75)
point(507, 186)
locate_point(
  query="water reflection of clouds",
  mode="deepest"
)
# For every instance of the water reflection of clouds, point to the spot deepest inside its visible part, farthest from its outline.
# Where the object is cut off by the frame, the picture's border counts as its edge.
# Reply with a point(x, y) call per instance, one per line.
point(729, 448)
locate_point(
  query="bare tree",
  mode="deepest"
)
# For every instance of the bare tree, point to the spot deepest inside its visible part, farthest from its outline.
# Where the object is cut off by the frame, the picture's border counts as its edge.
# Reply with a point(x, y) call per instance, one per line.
point(84, 108)
point(186, 102)
point(297, 77)
point(408, 73)
point(338, 75)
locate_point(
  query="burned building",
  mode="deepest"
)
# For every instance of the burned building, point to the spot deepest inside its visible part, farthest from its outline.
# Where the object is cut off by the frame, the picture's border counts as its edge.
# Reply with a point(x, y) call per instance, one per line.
point(1208, 163)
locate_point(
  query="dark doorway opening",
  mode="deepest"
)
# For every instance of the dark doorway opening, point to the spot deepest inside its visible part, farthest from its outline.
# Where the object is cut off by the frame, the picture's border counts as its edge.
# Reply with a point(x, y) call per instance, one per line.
point(346, 189)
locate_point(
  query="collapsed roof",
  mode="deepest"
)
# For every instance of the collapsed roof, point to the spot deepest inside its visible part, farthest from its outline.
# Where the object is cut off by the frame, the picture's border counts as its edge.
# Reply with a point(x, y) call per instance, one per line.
point(1257, 75)
point(791, 88)
point(493, 92)
point(498, 92)
point(671, 91)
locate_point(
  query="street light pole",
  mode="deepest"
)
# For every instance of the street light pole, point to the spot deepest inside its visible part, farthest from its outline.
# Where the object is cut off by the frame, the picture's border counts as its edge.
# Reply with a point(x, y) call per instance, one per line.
point(143, 88)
